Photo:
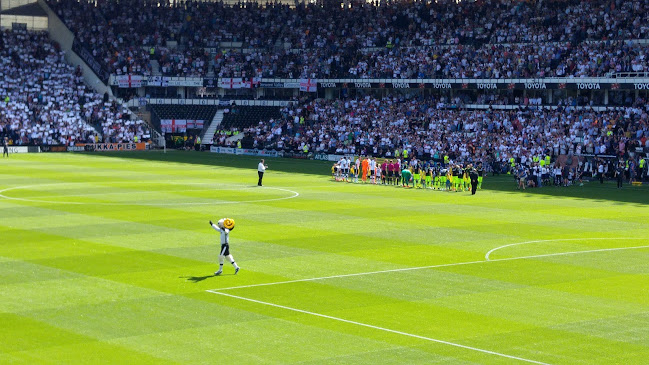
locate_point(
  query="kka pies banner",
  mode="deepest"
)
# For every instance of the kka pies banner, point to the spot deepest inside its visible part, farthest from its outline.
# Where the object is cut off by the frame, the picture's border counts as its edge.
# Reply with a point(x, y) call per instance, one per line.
point(114, 146)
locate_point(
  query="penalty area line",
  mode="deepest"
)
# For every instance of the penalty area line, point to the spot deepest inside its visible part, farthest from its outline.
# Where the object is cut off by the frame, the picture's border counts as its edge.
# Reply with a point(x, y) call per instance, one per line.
point(428, 267)
point(350, 275)
point(381, 328)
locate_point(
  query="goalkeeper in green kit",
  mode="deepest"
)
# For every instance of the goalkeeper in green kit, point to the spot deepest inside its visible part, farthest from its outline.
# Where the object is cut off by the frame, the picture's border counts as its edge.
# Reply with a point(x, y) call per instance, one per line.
point(406, 178)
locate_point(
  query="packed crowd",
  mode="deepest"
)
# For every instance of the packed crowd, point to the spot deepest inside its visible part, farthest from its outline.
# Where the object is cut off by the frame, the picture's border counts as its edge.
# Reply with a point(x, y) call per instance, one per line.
point(44, 101)
point(572, 21)
point(483, 39)
point(490, 61)
point(592, 59)
point(400, 127)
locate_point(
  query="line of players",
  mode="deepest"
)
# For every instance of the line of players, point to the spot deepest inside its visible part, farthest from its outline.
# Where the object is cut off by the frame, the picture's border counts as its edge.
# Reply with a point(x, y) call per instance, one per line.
point(421, 174)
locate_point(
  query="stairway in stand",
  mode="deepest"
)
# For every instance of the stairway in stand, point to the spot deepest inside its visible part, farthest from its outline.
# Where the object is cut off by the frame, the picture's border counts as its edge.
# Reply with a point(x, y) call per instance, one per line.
point(208, 136)
point(155, 68)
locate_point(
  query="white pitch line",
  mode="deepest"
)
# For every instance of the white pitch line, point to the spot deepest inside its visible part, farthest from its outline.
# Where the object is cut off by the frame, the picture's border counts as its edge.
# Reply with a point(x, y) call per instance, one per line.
point(428, 267)
point(219, 292)
point(560, 240)
point(382, 329)
point(349, 275)
point(122, 193)
point(241, 187)
point(570, 253)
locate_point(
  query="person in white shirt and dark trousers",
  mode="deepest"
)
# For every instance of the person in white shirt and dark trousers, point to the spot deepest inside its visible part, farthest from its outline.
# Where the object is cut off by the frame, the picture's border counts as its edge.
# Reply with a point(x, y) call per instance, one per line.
point(260, 170)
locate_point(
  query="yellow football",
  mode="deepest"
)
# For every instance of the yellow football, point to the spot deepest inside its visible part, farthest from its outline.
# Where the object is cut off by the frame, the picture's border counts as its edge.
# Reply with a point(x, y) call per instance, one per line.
point(228, 223)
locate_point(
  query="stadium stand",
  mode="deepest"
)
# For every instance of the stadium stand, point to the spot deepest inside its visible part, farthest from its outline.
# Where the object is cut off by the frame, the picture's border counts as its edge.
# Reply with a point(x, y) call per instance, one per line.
point(271, 48)
point(380, 127)
point(244, 117)
point(44, 101)
point(203, 113)
point(404, 39)
point(239, 118)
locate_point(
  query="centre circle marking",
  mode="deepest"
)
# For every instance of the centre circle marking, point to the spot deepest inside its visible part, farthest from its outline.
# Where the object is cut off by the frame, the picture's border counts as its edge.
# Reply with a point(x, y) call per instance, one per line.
point(294, 194)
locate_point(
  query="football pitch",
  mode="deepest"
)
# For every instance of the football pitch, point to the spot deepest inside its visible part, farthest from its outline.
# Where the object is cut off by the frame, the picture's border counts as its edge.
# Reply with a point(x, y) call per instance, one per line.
point(109, 258)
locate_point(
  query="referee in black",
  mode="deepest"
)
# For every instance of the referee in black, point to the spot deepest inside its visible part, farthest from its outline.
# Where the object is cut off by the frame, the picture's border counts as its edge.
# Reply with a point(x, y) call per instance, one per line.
point(261, 168)
point(5, 147)
point(473, 175)
point(619, 174)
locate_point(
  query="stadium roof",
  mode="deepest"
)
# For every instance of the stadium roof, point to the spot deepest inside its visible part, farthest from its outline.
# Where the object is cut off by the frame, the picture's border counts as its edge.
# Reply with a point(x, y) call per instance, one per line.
point(32, 9)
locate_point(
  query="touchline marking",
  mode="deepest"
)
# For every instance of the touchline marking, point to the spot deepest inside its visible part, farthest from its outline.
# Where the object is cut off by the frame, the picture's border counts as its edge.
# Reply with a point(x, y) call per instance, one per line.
point(559, 240)
point(240, 187)
point(429, 267)
point(382, 329)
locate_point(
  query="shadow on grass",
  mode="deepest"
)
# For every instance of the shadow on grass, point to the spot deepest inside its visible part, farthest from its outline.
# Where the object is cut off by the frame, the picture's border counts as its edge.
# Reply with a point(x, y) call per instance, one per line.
point(197, 279)
point(221, 160)
point(504, 183)
point(591, 190)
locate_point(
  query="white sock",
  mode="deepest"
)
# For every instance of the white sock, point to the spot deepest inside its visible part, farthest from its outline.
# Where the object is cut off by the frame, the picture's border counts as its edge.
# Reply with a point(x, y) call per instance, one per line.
point(232, 261)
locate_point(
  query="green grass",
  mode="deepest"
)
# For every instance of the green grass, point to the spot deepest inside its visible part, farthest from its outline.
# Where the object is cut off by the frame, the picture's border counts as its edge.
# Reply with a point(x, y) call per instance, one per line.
point(108, 258)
